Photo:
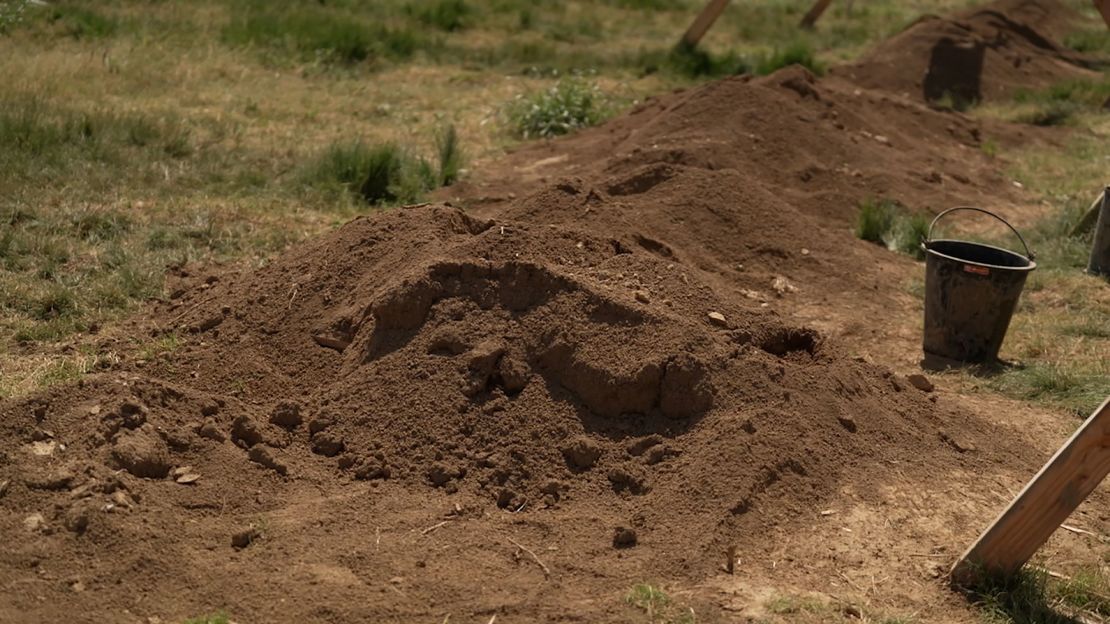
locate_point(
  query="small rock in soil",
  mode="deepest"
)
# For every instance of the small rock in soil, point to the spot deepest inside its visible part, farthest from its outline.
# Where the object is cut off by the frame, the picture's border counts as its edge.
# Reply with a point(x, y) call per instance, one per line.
point(34, 522)
point(921, 382)
point(4, 487)
point(440, 474)
point(287, 415)
point(717, 319)
point(624, 479)
point(320, 423)
point(642, 296)
point(624, 537)
point(268, 457)
point(581, 452)
point(142, 454)
point(209, 430)
point(514, 374)
point(246, 537)
point(188, 478)
point(245, 432)
point(327, 444)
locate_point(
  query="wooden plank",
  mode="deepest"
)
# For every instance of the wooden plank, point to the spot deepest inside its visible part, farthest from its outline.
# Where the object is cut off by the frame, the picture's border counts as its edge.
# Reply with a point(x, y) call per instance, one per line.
point(1103, 7)
point(814, 14)
point(703, 22)
point(1060, 486)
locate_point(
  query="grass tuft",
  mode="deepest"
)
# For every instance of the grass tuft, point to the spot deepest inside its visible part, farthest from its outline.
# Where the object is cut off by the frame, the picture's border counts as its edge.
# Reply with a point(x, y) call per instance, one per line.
point(1031, 596)
point(874, 220)
point(316, 34)
point(385, 174)
point(886, 223)
point(450, 156)
point(569, 105)
point(797, 53)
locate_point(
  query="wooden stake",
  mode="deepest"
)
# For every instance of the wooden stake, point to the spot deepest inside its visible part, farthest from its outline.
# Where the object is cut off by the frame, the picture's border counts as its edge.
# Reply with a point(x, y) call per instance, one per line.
point(1103, 7)
point(703, 22)
point(1061, 485)
point(814, 14)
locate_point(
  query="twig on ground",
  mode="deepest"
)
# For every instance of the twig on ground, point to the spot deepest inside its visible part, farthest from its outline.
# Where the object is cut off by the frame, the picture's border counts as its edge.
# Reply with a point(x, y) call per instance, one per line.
point(546, 570)
point(433, 527)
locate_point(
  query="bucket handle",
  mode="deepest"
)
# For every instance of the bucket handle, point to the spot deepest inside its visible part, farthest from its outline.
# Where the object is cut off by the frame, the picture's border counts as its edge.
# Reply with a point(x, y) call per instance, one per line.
point(929, 235)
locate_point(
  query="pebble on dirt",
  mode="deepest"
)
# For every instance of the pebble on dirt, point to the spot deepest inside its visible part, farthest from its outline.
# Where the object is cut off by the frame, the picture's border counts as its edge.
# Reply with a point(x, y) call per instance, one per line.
point(717, 319)
point(921, 382)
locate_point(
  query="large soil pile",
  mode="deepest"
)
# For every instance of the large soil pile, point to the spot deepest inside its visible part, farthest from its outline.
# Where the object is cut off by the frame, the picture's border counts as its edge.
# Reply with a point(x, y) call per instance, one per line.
point(423, 359)
point(985, 53)
point(521, 409)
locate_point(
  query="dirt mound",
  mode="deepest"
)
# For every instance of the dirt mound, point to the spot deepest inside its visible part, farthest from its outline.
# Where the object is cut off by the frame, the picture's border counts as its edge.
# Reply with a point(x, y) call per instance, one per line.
point(431, 358)
point(985, 53)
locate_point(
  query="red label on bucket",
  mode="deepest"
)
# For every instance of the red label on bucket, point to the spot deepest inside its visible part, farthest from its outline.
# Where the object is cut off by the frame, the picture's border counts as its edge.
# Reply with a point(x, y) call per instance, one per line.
point(978, 270)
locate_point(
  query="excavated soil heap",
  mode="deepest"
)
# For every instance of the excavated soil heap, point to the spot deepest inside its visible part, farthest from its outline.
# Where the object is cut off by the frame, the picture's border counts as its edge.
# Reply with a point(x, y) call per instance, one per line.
point(986, 53)
point(422, 367)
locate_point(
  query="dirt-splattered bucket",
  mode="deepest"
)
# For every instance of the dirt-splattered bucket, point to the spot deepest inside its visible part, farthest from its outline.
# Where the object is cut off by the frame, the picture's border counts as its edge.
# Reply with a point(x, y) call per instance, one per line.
point(971, 291)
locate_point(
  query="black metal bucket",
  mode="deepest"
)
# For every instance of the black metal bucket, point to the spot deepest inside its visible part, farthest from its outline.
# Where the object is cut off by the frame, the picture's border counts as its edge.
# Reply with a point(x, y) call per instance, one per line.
point(971, 291)
point(1100, 247)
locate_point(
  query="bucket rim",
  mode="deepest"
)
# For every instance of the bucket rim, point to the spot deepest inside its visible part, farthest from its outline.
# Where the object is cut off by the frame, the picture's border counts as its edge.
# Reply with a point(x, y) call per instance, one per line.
point(1032, 264)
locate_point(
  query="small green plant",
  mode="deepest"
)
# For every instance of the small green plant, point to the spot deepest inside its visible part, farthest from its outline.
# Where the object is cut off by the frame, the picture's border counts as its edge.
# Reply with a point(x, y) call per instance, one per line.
point(884, 222)
point(386, 174)
point(1031, 596)
point(797, 53)
point(874, 220)
point(690, 62)
point(906, 234)
point(989, 147)
point(658, 605)
point(450, 156)
point(12, 12)
point(569, 105)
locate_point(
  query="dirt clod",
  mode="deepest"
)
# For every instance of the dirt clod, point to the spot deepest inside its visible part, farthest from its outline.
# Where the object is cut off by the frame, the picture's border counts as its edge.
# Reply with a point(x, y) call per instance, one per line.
point(624, 537)
point(921, 382)
point(581, 452)
point(142, 454)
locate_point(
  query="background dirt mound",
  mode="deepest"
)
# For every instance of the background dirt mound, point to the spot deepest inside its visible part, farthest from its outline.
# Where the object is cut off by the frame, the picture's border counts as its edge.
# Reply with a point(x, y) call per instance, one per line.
point(424, 361)
point(984, 53)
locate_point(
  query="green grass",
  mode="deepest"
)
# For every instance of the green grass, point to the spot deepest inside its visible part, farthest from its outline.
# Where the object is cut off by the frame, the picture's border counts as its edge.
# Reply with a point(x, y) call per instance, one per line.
point(316, 33)
point(658, 606)
point(568, 105)
point(1033, 597)
point(796, 53)
point(886, 223)
point(386, 174)
point(447, 15)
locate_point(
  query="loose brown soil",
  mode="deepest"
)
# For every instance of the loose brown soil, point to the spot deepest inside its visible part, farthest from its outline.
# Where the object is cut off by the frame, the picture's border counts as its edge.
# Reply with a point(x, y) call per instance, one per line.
point(597, 374)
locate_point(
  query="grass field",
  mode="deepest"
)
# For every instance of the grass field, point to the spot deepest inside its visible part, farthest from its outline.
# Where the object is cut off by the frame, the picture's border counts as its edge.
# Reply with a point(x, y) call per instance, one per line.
point(135, 136)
